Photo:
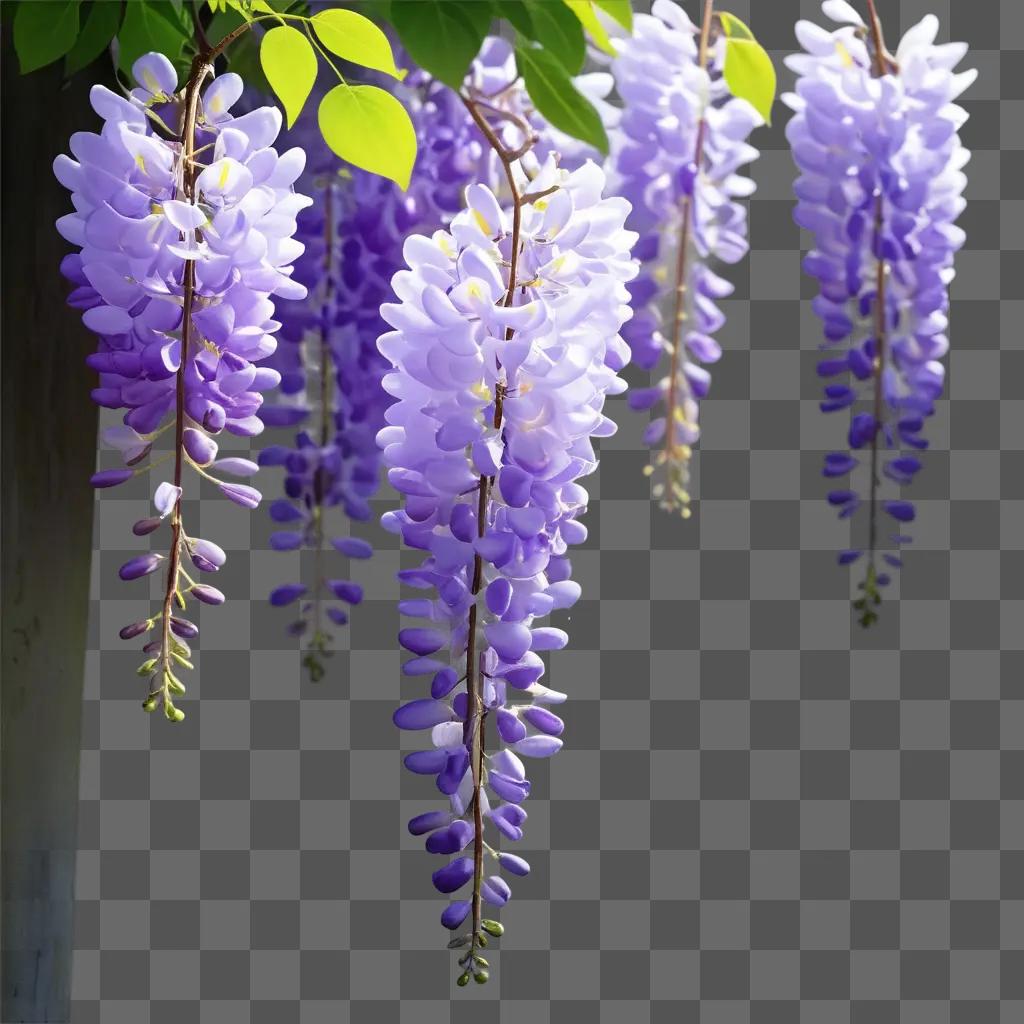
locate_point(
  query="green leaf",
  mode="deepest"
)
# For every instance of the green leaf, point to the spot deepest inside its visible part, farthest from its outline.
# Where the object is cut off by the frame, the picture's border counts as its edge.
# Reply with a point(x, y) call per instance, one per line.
point(620, 10)
point(733, 27)
point(441, 36)
point(557, 99)
point(559, 31)
point(355, 38)
point(584, 10)
point(750, 74)
point(289, 63)
point(100, 27)
point(149, 26)
point(43, 33)
point(368, 127)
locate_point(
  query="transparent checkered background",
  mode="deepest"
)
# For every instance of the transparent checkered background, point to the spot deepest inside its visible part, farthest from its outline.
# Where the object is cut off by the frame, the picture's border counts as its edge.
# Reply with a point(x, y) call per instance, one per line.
point(762, 814)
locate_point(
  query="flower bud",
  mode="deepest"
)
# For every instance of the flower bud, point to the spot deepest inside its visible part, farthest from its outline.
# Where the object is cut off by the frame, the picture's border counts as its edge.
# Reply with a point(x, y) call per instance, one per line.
point(201, 448)
point(135, 629)
point(140, 566)
point(207, 553)
point(110, 477)
point(240, 494)
point(286, 594)
point(173, 714)
point(237, 467)
point(184, 628)
point(207, 594)
point(146, 526)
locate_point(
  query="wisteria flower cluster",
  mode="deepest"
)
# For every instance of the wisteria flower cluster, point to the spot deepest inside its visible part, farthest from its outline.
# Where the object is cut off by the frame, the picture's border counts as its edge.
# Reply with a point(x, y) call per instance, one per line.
point(330, 365)
point(676, 155)
point(354, 236)
point(504, 344)
point(185, 217)
point(881, 183)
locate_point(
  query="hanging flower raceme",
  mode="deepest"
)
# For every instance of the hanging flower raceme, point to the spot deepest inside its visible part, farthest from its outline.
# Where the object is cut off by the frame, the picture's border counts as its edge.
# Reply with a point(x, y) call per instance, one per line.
point(185, 235)
point(354, 236)
point(330, 364)
point(881, 184)
point(504, 344)
point(675, 156)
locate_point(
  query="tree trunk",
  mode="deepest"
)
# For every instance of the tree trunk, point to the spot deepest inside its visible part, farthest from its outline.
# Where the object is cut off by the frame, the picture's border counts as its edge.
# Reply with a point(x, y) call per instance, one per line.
point(48, 447)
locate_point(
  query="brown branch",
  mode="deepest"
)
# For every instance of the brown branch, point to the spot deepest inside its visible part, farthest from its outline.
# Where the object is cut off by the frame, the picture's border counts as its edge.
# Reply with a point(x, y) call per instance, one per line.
point(477, 711)
point(679, 312)
point(883, 63)
point(201, 67)
point(326, 412)
point(884, 60)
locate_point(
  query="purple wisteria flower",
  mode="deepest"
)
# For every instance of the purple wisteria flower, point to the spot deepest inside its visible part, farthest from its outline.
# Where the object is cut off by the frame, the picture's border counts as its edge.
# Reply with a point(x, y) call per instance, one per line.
point(354, 236)
point(881, 183)
point(185, 219)
point(331, 368)
point(504, 344)
point(675, 156)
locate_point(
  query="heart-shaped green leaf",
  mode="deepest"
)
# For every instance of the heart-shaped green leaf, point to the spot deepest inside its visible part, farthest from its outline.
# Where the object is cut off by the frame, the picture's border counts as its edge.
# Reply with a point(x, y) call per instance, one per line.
point(750, 74)
point(355, 38)
point(289, 63)
point(368, 127)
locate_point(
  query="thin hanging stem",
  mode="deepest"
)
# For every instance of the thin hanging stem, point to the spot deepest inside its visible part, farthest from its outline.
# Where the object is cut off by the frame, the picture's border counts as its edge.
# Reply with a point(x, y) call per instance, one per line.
point(317, 641)
point(883, 64)
point(201, 68)
point(674, 452)
point(474, 687)
point(884, 60)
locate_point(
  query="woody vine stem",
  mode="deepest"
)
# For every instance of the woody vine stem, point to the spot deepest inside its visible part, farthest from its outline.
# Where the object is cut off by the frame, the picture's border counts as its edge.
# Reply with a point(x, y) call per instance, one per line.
point(318, 643)
point(202, 68)
point(676, 455)
point(884, 64)
point(477, 711)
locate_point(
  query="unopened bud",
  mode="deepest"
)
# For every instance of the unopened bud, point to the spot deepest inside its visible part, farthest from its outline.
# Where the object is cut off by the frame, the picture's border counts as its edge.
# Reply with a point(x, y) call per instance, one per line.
point(174, 684)
point(135, 629)
point(173, 714)
point(145, 526)
point(183, 627)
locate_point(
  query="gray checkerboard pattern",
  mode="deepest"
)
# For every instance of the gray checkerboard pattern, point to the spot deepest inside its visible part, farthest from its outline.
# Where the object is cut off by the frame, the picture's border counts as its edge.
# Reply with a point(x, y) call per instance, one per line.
point(762, 814)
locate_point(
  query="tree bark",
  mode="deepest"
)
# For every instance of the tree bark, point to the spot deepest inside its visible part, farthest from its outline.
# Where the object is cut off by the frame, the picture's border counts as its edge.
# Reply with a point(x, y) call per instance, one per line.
point(48, 450)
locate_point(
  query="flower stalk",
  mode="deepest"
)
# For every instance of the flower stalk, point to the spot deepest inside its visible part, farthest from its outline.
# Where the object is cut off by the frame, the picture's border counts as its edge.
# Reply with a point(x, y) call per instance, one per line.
point(884, 250)
point(676, 454)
